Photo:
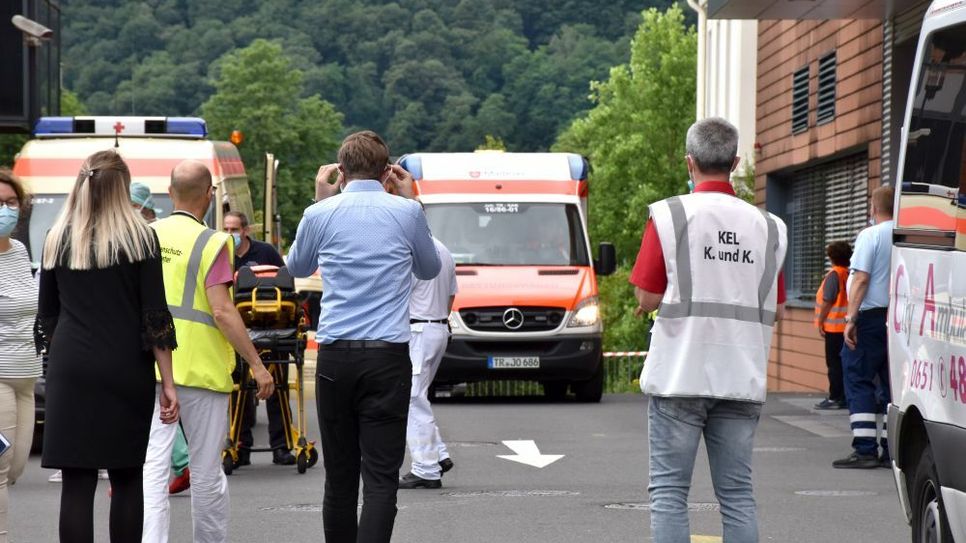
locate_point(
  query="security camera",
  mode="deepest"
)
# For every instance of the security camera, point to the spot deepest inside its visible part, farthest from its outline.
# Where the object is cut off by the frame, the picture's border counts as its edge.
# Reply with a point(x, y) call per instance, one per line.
point(33, 31)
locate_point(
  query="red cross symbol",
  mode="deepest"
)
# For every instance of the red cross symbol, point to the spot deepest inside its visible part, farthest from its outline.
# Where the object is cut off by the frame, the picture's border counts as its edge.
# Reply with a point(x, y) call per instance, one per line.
point(118, 127)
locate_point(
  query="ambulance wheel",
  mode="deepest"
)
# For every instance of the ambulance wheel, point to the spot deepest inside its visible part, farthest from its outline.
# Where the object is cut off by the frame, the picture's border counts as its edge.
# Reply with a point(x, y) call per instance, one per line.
point(302, 462)
point(313, 457)
point(555, 390)
point(929, 521)
point(591, 390)
point(227, 463)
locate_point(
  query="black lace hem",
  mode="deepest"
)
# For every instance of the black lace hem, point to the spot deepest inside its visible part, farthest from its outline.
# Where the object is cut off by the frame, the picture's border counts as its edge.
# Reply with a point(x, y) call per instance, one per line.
point(157, 330)
point(43, 332)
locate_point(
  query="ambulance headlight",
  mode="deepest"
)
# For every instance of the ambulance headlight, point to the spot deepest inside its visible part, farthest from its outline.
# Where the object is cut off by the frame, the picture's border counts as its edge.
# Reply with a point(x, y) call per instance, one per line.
point(586, 314)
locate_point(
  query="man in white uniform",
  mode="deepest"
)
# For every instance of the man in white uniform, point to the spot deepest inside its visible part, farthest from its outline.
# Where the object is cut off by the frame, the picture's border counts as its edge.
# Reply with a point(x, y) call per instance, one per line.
point(429, 308)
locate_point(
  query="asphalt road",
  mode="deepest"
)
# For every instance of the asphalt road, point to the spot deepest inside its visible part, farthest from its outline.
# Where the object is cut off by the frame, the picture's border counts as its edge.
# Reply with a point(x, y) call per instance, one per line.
point(596, 492)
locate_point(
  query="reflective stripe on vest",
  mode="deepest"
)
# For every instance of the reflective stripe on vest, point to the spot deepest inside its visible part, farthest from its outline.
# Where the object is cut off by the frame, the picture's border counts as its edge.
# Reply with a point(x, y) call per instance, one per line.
point(687, 307)
point(835, 320)
point(187, 309)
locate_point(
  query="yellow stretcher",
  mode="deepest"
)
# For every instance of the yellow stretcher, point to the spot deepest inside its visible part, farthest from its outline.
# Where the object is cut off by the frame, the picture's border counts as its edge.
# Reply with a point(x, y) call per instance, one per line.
point(266, 299)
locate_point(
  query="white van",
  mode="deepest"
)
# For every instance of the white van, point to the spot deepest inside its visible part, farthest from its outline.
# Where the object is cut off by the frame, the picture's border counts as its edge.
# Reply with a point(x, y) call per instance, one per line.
point(927, 315)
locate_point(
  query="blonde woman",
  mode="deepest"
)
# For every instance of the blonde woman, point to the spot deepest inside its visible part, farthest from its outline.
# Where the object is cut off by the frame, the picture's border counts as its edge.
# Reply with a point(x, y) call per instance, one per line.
point(19, 363)
point(104, 319)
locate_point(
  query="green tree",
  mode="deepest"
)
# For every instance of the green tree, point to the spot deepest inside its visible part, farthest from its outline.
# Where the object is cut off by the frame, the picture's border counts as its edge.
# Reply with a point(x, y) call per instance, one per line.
point(634, 137)
point(258, 91)
point(10, 144)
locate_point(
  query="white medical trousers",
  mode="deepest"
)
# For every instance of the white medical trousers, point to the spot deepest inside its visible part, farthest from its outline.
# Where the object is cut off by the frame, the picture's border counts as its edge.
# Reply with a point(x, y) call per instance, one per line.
point(204, 415)
point(426, 349)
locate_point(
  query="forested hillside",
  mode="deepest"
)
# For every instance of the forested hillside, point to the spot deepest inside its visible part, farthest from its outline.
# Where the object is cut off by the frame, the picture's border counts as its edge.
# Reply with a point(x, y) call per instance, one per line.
point(430, 74)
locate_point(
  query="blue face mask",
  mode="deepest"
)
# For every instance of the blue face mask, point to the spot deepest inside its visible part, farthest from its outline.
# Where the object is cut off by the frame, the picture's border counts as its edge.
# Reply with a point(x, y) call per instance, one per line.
point(8, 220)
point(238, 239)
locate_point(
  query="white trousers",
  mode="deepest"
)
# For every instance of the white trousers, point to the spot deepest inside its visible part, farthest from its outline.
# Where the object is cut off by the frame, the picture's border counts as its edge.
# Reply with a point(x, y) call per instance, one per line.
point(204, 415)
point(426, 348)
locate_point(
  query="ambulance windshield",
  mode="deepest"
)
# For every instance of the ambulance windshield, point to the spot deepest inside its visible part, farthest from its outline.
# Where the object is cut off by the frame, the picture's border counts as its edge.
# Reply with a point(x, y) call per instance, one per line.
point(510, 233)
point(44, 209)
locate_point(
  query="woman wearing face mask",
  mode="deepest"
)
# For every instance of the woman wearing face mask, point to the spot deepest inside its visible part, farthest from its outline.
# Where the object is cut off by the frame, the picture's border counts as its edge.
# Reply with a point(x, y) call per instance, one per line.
point(19, 363)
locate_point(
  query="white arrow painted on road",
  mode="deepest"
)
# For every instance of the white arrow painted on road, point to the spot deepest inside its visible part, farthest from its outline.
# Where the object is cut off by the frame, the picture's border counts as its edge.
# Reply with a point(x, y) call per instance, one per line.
point(528, 453)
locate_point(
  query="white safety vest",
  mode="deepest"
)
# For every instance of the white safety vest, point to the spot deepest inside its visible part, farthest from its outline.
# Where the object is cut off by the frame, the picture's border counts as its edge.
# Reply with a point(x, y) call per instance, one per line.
point(713, 329)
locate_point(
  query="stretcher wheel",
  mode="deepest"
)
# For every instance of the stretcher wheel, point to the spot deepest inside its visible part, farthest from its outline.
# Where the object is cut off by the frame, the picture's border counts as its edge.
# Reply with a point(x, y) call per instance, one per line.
point(313, 457)
point(302, 462)
point(227, 464)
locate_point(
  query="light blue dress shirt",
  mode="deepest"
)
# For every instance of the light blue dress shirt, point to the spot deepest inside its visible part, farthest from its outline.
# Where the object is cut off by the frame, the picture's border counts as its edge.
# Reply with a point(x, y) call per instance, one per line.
point(873, 254)
point(368, 244)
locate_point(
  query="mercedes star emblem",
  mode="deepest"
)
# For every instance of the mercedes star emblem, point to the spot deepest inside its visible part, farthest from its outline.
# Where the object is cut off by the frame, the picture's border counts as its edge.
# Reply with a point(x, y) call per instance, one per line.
point(513, 318)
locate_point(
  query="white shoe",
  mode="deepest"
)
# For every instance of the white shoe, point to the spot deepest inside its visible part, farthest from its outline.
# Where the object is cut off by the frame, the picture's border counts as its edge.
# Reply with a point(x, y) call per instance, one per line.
point(102, 475)
point(57, 477)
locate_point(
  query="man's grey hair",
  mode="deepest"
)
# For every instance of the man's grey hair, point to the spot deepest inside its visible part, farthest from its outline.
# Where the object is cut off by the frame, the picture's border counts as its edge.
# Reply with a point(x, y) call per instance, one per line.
point(712, 144)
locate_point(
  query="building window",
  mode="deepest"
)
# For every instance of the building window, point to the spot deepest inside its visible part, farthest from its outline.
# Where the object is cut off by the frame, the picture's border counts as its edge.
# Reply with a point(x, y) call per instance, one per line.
point(825, 111)
point(819, 204)
point(800, 100)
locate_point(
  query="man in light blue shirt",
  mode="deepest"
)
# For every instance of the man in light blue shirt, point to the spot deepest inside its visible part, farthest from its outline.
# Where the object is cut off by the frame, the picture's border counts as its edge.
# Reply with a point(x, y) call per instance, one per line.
point(865, 355)
point(368, 244)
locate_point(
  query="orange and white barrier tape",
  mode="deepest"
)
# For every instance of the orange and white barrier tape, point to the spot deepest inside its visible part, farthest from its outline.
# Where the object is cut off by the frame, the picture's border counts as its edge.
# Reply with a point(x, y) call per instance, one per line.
point(625, 354)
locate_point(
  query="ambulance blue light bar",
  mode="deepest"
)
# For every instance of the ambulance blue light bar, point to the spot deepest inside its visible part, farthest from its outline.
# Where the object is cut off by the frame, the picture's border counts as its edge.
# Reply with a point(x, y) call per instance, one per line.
point(172, 127)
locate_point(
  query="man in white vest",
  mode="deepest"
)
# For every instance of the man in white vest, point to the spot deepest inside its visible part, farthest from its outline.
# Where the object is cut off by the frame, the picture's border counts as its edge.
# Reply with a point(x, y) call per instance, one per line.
point(709, 263)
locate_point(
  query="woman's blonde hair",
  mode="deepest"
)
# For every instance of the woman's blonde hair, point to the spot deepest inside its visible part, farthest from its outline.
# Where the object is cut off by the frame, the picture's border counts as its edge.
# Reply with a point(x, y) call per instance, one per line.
point(98, 226)
point(7, 177)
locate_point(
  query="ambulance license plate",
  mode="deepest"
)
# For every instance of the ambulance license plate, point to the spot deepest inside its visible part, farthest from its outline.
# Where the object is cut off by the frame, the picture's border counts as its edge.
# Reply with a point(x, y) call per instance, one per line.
point(513, 362)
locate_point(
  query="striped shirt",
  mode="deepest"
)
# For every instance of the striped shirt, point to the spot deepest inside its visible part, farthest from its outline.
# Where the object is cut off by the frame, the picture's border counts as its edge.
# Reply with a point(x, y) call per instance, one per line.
point(18, 309)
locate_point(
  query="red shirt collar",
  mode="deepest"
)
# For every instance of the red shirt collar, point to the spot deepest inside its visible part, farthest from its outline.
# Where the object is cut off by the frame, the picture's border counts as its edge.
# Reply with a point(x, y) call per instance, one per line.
point(715, 186)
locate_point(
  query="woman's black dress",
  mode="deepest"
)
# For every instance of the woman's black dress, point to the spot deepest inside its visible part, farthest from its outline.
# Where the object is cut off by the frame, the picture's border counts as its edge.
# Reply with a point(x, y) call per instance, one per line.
point(100, 326)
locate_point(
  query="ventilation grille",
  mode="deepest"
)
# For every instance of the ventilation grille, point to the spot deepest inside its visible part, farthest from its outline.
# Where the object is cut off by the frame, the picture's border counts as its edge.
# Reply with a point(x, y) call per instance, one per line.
point(826, 89)
point(800, 101)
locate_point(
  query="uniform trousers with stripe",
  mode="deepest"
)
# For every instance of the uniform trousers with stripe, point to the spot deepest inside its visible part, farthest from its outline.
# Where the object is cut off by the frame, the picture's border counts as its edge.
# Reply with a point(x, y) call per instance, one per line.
point(861, 369)
point(204, 417)
point(426, 349)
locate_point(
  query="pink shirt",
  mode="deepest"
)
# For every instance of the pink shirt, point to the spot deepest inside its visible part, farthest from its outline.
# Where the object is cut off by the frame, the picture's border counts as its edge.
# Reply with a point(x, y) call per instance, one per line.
point(220, 272)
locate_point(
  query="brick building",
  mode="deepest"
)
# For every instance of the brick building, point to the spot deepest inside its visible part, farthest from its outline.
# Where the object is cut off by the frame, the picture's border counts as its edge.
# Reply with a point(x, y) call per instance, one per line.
point(831, 86)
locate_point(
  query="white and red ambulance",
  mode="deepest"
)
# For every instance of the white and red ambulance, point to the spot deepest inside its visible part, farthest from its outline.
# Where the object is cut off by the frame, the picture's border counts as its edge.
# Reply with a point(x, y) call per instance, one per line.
point(927, 314)
point(151, 147)
point(527, 307)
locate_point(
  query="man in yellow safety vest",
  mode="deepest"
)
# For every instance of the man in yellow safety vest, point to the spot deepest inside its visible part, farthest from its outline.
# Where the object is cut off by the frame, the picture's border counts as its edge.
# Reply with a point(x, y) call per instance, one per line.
point(197, 266)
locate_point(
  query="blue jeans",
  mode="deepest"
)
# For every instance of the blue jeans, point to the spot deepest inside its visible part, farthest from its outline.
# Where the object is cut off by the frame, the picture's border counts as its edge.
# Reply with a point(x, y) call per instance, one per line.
point(675, 426)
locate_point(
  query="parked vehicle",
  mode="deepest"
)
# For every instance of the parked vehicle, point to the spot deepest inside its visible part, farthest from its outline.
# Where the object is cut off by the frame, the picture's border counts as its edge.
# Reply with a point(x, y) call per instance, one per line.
point(927, 319)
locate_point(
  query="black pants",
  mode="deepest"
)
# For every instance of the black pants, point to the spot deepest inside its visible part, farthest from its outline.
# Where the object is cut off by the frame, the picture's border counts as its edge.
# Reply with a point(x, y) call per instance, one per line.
point(363, 401)
point(276, 422)
point(833, 360)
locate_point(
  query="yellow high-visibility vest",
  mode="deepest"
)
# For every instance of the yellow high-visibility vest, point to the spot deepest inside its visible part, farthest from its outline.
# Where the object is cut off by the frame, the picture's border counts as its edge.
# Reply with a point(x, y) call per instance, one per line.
point(204, 358)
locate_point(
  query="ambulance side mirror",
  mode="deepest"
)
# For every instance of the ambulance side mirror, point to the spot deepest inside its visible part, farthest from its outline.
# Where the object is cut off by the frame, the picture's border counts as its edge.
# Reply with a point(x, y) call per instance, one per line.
point(606, 262)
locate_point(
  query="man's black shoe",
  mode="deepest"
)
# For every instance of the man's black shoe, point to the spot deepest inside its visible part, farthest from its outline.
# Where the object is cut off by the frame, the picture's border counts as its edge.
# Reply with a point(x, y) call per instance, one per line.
point(244, 458)
point(445, 464)
point(857, 461)
point(829, 404)
point(283, 457)
point(410, 481)
point(885, 461)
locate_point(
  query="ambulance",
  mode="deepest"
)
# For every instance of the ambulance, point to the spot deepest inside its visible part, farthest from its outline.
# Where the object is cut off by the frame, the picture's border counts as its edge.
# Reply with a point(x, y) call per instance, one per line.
point(927, 312)
point(527, 307)
point(151, 147)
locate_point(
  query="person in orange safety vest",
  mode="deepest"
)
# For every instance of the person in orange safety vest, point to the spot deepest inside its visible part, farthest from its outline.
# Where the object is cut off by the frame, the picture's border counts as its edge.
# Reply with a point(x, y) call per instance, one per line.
point(831, 305)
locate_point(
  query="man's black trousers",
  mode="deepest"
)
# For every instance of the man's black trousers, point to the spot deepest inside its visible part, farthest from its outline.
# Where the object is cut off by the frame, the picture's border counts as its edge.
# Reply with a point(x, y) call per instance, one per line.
point(833, 360)
point(362, 396)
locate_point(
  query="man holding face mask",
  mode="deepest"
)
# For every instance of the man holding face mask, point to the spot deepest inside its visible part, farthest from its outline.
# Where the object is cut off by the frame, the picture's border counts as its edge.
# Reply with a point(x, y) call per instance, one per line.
point(369, 245)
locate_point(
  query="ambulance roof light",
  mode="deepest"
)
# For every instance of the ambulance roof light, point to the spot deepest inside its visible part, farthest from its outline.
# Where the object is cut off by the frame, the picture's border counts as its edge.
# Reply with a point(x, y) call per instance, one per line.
point(190, 127)
point(413, 165)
